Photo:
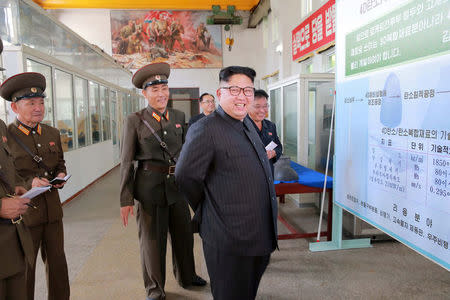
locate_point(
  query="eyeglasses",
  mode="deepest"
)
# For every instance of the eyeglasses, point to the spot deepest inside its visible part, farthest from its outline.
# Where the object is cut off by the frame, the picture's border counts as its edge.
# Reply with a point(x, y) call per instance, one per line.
point(258, 107)
point(209, 101)
point(235, 90)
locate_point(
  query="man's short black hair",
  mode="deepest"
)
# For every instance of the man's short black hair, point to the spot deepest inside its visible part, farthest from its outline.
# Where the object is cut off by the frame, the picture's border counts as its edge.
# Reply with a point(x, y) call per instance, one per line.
point(203, 95)
point(227, 72)
point(261, 93)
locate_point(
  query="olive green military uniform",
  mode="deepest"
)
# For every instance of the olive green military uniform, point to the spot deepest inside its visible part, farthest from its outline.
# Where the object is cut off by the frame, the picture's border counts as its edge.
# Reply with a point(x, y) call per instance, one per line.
point(45, 222)
point(161, 208)
point(15, 240)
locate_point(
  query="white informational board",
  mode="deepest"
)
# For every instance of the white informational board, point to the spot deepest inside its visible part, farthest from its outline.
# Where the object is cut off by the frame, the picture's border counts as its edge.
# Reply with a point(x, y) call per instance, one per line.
point(393, 119)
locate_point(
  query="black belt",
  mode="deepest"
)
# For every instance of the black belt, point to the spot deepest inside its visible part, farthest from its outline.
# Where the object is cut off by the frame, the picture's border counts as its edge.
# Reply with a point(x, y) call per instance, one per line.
point(148, 166)
point(11, 221)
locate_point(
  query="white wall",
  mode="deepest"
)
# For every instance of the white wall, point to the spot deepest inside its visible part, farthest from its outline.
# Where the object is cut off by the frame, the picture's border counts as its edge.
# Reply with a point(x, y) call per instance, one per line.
point(248, 49)
point(94, 25)
point(86, 165)
point(91, 24)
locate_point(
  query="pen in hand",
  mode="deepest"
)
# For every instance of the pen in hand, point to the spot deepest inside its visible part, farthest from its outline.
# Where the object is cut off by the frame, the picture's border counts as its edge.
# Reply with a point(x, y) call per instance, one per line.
point(27, 204)
point(31, 205)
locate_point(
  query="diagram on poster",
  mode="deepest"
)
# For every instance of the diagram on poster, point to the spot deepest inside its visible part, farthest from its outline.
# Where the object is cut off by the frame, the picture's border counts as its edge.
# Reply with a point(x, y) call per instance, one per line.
point(393, 121)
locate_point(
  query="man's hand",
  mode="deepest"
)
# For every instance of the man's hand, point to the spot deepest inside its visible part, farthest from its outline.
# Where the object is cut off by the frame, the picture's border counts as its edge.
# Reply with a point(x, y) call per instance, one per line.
point(124, 212)
point(19, 190)
point(13, 207)
point(39, 181)
point(271, 154)
point(58, 186)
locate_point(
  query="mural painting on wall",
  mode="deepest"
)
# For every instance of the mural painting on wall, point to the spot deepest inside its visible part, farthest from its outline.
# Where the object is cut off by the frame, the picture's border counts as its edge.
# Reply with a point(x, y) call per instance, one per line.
point(180, 38)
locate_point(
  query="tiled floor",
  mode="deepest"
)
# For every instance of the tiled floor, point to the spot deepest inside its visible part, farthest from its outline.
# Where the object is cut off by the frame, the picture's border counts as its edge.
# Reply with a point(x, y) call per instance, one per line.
point(104, 263)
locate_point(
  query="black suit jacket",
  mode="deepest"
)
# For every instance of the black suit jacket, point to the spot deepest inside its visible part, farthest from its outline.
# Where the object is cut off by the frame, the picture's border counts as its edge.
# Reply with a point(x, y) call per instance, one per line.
point(268, 133)
point(195, 119)
point(224, 172)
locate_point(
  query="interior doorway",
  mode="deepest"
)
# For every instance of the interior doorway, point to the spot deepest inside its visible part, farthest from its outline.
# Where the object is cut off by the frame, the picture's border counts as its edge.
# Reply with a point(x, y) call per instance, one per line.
point(186, 100)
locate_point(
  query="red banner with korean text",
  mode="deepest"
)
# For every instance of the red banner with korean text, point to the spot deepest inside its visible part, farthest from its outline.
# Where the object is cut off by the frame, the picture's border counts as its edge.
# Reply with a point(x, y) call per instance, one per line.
point(314, 32)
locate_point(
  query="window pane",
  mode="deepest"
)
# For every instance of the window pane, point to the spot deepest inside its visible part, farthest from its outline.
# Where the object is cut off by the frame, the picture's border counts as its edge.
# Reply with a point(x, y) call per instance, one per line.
point(113, 97)
point(64, 108)
point(104, 100)
point(33, 66)
point(275, 108)
point(3, 110)
point(290, 121)
point(81, 104)
point(94, 111)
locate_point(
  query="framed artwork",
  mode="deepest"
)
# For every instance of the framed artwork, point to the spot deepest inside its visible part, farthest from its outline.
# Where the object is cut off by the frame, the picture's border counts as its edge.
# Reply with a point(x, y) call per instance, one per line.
point(180, 38)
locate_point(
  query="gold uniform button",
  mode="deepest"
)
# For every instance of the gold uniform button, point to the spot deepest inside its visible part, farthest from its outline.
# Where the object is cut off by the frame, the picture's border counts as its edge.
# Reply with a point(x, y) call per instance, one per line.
point(46, 174)
point(165, 132)
point(33, 132)
point(38, 145)
point(168, 176)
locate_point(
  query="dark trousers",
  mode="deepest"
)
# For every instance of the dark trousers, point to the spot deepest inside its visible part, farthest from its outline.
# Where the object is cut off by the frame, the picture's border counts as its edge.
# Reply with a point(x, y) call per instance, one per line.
point(234, 277)
point(152, 230)
point(13, 287)
point(50, 239)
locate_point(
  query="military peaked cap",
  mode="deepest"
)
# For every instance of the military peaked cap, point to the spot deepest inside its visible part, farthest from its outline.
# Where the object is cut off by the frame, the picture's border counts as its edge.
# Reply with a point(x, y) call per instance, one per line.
point(151, 74)
point(23, 86)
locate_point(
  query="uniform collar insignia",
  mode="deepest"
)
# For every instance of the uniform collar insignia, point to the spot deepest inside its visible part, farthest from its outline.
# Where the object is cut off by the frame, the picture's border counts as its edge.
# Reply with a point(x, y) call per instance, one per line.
point(270, 133)
point(5, 139)
point(23, 129)
point(26, 130)
point(156, 116)
point(167, 115)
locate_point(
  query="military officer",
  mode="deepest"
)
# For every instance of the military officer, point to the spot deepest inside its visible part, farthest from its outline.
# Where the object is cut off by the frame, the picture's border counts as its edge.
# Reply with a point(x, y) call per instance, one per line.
point(38, 156)
point(16, 248)
point(161, 208)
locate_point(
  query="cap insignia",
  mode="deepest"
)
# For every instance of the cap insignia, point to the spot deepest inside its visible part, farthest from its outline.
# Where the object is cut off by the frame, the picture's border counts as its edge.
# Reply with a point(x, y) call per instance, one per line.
point(157, 77)
point(34, 90)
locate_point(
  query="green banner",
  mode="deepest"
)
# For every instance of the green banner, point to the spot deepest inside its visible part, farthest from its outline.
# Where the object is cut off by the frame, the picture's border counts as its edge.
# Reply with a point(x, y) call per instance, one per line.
point(414, 31)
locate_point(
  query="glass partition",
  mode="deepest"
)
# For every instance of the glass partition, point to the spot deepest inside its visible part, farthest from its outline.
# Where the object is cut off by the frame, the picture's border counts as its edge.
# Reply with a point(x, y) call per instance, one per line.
point(290, 124)
point(3, 110)
point(104, 103)
point(25, 23)
point(64, 108)
point(275, 108)
point(319, 124)
point(94, 111)
point(113, 97)
point(34, 66)
point(81, 113)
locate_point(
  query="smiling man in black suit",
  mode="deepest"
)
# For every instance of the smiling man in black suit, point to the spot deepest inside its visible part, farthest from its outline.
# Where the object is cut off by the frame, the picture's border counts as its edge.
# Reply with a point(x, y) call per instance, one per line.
point(225, 174)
